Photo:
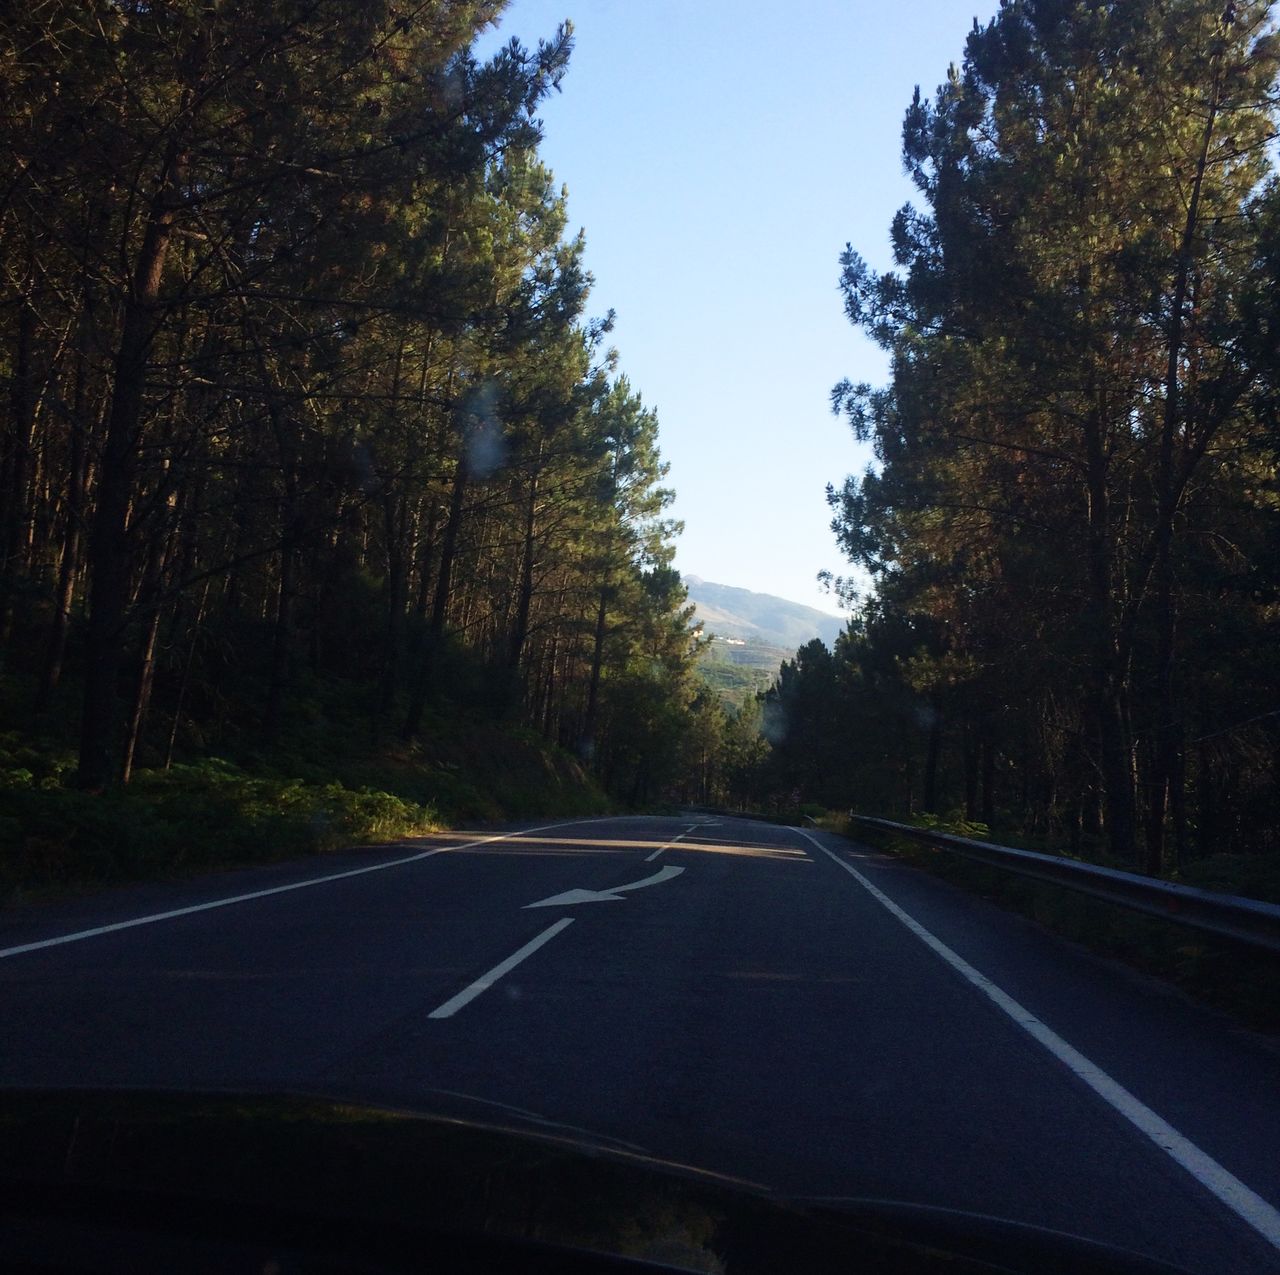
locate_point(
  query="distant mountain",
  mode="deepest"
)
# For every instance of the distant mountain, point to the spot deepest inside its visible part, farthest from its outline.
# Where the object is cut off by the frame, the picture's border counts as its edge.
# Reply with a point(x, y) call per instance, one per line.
point(759, 619)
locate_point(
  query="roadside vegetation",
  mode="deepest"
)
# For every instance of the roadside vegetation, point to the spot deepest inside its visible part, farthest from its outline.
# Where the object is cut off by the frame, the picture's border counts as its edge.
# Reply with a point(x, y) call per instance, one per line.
point(324, 794)
point(325, 514)
point(732, 682)
point(1067, 603)
point(1066, 595)
point(1241, 981)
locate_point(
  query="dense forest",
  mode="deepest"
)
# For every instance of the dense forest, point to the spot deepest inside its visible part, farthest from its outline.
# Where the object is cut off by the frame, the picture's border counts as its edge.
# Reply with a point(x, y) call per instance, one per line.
point(312, 448)
point(305, 417)
point(1072, 523)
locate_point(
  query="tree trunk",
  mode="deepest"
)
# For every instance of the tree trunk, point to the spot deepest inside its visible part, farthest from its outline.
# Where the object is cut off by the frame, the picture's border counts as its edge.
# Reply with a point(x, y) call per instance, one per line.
point(930, 801)
point(164, 547)
point(587, 743)
point(1106, 676)
point(14, 493)
point(186, 674)
point(440, 603)
point(524, 596)
point(68, 567)
point(547, 716)
point(281, 646)
point(142, 694)
point(1178, 803)
point(109, 550)
point(1207, 806)
point(1165, 751)
point(397, 600)
point(971, 750)
point(988, 783)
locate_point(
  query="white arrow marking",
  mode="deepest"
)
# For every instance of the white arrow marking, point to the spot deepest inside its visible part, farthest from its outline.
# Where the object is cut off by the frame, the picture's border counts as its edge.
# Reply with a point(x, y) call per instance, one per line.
point(649, 858)
point(280, 889)
point(605, 896)
point(486, 981)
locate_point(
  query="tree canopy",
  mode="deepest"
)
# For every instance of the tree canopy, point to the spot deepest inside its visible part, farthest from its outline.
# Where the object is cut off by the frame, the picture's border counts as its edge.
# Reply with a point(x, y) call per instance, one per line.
point(303, 391)
point(1070, 522)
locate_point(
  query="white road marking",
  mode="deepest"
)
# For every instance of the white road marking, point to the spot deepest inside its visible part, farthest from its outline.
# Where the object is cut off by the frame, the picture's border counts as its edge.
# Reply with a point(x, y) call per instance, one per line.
point(649, 858)
point(1247, 1204)
point(154, 917)
point(486, 981)
point(613, 895)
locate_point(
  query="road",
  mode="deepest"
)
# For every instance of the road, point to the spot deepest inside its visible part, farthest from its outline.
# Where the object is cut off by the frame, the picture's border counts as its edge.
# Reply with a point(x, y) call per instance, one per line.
point(776, 1004)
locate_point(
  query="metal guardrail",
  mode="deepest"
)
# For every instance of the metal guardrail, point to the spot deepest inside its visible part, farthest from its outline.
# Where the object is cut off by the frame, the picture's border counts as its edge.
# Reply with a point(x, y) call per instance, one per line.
point(1229, 915)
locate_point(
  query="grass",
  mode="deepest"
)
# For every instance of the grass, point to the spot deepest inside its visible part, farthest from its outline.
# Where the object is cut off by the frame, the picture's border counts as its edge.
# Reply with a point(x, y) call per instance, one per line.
point(1234, 978)
point(192, 818)
point(317, 792)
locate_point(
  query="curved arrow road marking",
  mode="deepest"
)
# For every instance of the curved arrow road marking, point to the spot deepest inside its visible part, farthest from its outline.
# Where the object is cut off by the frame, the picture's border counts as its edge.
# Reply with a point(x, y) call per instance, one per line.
point(304, 884)
point(605, 896)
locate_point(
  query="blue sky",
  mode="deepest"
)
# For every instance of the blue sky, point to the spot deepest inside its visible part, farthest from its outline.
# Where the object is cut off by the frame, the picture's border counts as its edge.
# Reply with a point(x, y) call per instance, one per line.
point(719, 154)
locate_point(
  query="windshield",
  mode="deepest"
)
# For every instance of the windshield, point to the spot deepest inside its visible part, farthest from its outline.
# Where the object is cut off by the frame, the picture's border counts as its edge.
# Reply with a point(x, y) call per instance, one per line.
point(698, 581)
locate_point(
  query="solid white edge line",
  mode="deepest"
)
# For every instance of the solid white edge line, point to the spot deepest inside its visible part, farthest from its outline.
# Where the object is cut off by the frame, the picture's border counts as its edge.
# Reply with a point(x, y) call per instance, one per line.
point(152, 918)
point(649, 858)
point(486, 981)
point(1245, 1203)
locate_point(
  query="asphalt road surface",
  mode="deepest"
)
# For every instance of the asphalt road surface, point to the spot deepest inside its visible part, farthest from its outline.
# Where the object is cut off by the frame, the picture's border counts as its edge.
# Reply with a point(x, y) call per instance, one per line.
point(771, 1003)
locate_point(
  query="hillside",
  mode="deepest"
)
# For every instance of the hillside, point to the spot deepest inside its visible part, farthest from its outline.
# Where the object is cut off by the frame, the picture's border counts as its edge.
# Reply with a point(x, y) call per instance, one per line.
point(754, 633)
point(759, 619)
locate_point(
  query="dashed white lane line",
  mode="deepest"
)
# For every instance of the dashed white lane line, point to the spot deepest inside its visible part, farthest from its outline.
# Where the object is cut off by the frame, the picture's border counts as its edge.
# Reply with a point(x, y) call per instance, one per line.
point(649, 858)
point(1244, 1202)
point(155, 917)
point(486, 981)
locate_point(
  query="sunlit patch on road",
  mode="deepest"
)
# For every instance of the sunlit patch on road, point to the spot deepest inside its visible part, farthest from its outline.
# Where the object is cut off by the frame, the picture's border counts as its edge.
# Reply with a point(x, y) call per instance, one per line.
point(744, 849)
point(561, 845)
